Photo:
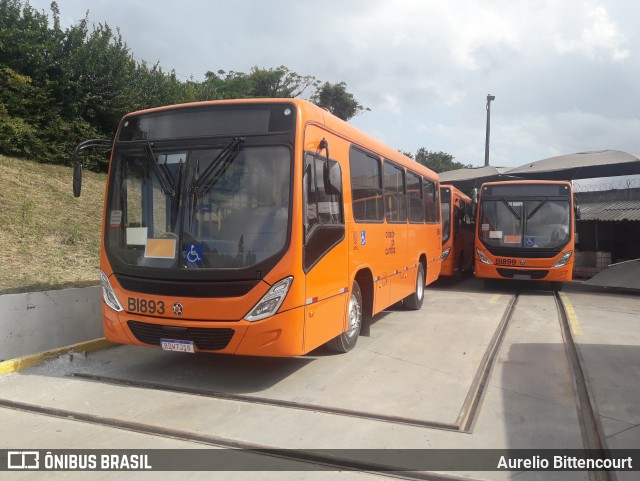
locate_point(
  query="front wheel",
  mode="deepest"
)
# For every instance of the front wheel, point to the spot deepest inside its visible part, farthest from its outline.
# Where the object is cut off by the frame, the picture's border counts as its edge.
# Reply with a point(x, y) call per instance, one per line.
point(347, 340)
point(414, 301)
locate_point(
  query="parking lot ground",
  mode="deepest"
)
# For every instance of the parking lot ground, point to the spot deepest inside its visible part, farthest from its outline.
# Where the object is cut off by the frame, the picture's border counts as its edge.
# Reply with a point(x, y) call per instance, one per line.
point(416, 365)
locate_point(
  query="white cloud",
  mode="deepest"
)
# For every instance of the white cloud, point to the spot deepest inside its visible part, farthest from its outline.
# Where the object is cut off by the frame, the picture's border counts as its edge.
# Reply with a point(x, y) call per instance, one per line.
point(392, 104)
point(599, 37)
point(565, 73)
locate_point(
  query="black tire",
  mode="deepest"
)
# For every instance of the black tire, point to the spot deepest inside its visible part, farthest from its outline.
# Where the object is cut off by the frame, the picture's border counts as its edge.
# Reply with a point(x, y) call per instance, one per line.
point(348, 339)
point(414, 301)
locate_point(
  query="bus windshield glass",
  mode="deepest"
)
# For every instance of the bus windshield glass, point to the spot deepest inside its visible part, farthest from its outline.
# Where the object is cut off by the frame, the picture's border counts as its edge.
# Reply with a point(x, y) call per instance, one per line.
point(197, 207)
point(528, 224)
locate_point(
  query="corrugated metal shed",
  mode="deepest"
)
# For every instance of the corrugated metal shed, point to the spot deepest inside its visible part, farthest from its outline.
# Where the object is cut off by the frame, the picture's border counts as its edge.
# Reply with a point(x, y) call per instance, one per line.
point(607, 211)
point(625, 275)
point(581, 165)
point(610, 205)
point(469, 178)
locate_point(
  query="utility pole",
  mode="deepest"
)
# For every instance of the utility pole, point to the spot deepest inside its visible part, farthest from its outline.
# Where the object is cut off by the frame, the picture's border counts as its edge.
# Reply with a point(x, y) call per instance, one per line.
point(486, 143)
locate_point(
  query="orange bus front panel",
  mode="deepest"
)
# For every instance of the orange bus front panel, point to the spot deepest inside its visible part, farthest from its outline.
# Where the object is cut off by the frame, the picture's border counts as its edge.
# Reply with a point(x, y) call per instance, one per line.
point(446, 267)
point(523, 268)
point(278, 335)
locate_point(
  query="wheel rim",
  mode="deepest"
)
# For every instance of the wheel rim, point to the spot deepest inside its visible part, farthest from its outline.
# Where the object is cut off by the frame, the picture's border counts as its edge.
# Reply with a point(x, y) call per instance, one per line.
point(420, 285)
point(355, 316)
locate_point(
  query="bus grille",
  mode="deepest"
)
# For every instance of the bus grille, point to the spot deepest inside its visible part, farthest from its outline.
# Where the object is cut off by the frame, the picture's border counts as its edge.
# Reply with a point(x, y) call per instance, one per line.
point(534, 274)
point(210, 339)
point(186, 289)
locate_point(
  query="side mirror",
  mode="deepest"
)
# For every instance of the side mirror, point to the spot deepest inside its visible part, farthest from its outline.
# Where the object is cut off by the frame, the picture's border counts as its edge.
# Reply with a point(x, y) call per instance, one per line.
point(331, 173)
point(77, 179)
point(77, 166)
point(576, 208)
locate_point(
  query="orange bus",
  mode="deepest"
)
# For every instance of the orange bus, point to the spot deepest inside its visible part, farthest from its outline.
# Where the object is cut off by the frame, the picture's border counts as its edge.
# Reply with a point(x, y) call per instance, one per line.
point(458, 231)
point(263, 227)
point(525, 230)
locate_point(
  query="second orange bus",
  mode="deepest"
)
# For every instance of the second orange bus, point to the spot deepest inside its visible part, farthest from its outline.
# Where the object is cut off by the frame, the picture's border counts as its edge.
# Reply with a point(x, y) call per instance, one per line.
point(458, 222)
point(525, 231)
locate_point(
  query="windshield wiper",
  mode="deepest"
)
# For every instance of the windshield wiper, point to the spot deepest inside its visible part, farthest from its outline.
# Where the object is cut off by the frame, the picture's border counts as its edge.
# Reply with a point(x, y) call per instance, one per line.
point(533, 212)
point(515, 214)
point(217, 168)
point(163, 176)
point(177, 194)
point(193, 198)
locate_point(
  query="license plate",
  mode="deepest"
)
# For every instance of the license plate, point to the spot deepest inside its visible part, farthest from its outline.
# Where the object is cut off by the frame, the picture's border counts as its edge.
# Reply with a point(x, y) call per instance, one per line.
point(502, 261)
point(177, 345)
point(522, 277)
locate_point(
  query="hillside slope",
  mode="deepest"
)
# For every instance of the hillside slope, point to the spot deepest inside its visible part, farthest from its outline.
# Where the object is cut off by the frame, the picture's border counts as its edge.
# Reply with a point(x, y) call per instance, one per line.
point(48, 238)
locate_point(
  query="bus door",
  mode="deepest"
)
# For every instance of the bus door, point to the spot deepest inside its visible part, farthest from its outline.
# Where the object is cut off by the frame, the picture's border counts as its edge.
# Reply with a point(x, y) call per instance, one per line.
point(325, 260)
point(468, 237)
point(458, 233)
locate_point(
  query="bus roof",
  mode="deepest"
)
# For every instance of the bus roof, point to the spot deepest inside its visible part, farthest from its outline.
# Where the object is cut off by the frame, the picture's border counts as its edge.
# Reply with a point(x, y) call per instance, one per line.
point(312, 113)
point(456, 191)
point(516, 182)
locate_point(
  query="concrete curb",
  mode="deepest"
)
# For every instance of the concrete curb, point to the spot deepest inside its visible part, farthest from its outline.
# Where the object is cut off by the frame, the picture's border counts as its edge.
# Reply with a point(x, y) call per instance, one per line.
point(14, 365)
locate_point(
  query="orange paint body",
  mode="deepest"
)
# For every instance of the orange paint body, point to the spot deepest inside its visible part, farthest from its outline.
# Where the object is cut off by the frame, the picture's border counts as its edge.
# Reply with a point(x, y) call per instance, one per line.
point(458, 223)
point(525, 230)
point(383, 255)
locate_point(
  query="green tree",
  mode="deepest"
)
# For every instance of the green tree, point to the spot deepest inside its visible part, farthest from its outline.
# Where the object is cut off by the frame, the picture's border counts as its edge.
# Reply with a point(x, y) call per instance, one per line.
point(279, 82)
point(59, 87)
point(223, 85)
point(437, 161)
point(336, 99)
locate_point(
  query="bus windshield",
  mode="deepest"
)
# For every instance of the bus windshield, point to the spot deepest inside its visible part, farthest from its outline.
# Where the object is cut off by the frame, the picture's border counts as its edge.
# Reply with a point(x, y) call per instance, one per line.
point(197, 207)
point(446, 220)
point(528, 224)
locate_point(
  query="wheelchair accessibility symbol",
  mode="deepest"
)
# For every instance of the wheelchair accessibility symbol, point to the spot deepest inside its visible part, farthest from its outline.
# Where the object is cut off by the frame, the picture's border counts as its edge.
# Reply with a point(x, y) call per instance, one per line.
point(530, 241)
point(194, 253)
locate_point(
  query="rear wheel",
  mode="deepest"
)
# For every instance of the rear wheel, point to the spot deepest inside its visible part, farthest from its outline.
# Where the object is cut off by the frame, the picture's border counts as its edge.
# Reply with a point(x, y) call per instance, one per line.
point(414, 301)
point(347, 340)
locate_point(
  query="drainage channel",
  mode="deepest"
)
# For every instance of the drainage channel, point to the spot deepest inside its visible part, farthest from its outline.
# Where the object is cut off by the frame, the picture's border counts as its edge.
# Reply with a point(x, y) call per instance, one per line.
point(268, 401)
point(464, 422)
point(471, 406)
point(317, 459)
point(593, 437)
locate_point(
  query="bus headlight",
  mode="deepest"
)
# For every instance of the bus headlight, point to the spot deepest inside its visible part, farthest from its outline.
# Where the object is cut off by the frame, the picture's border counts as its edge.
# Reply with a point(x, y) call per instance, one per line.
point(563, 260)
point(445, 254)
point(483, 257)
point(271, 301)
point(108, 295)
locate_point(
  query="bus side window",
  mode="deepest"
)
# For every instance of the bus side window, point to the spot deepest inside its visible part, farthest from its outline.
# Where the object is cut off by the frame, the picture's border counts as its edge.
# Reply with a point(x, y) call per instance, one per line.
point(416, 204)
point(395, 199)
point(309, 196)
point(430, 197)
point(366, 187)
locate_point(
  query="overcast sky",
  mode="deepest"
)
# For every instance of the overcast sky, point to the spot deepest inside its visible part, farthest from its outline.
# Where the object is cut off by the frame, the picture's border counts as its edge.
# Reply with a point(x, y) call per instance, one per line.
point(566, 74)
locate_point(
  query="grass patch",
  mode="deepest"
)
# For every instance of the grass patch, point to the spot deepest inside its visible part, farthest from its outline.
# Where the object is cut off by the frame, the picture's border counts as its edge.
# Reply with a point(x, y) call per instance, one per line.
point(48, 238)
